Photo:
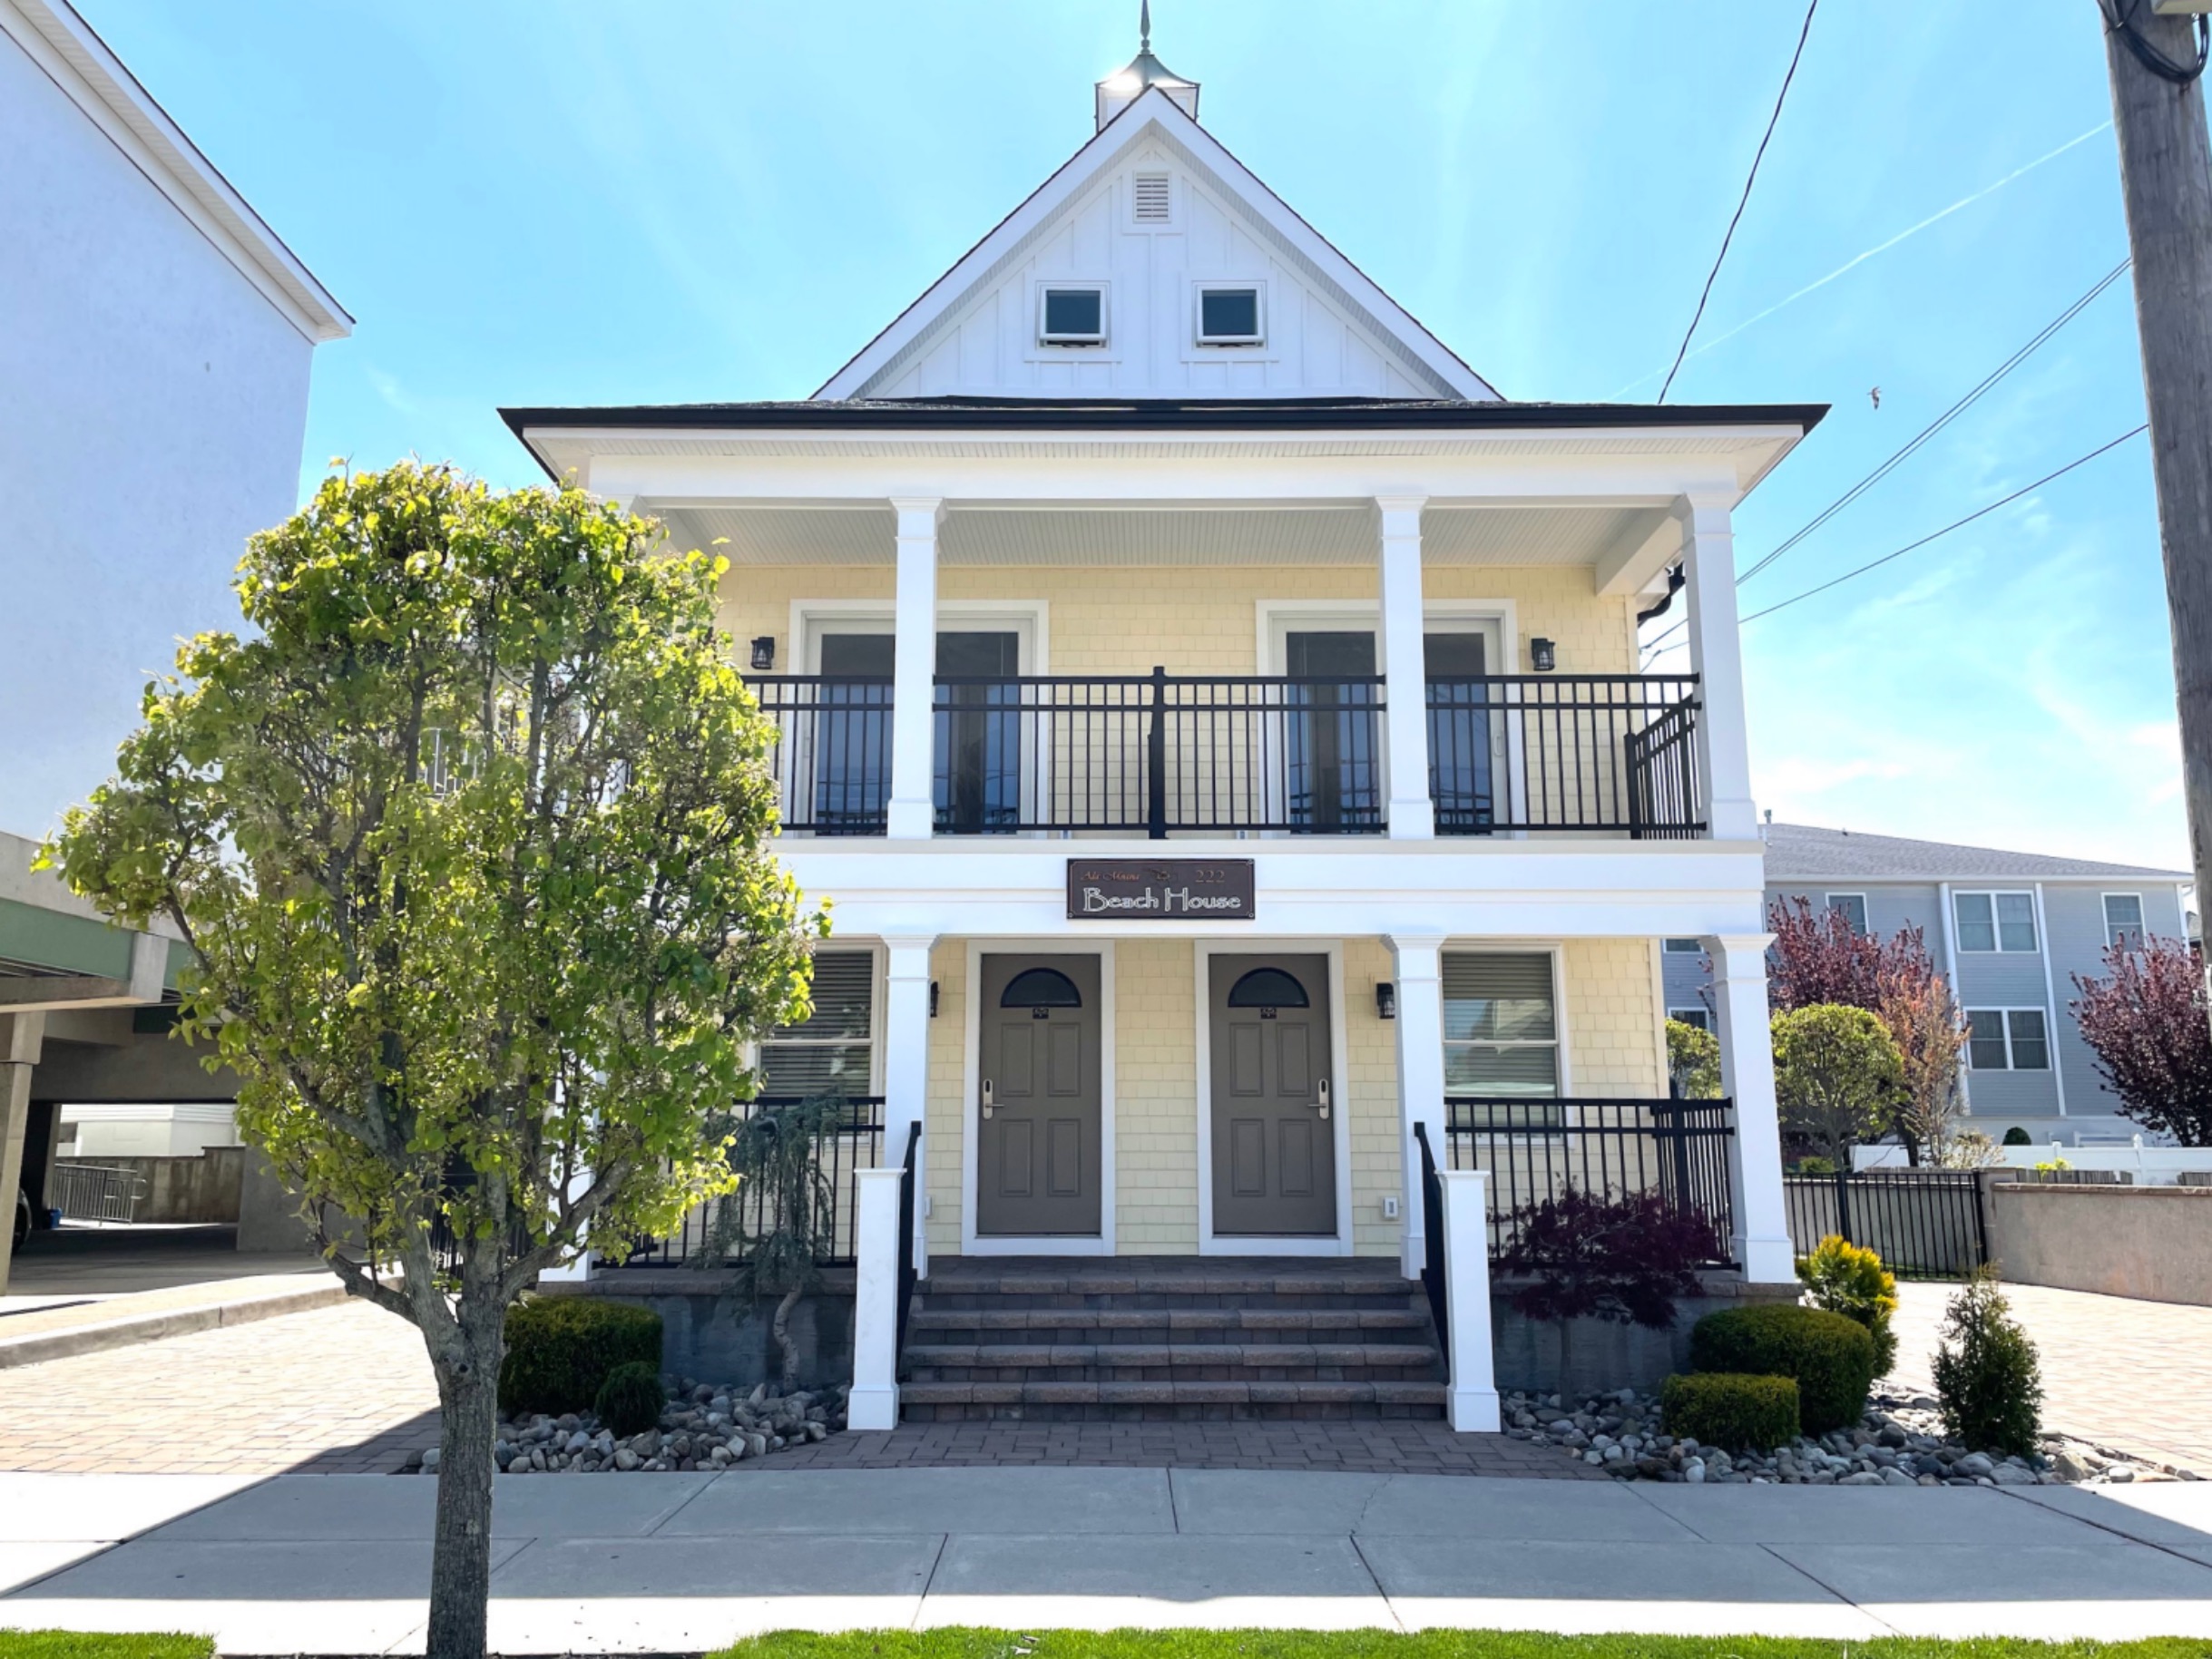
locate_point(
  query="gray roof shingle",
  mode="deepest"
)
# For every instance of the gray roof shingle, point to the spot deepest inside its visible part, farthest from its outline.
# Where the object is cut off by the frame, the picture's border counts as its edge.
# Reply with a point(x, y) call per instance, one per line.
point(1800, 852)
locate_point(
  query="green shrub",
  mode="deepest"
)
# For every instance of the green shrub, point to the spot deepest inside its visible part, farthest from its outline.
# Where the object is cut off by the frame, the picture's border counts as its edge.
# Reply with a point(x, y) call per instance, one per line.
point(630, 1399)
point(2018, 1136)
point(1726, 1409)
point(560, 1349)
point(1832, 1358)
point(1991, 1386)
point(1844, 1279)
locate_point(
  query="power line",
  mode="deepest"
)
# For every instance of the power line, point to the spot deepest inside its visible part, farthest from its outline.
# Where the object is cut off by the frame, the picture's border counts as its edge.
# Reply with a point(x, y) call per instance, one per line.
point(1954, 524)
point(1913, 444)
point(1743, 201)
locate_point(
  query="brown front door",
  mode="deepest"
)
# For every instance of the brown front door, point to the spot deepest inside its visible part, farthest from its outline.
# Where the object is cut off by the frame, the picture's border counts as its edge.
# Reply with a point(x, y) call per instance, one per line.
point(1038, 1143)
point(1274, 1122)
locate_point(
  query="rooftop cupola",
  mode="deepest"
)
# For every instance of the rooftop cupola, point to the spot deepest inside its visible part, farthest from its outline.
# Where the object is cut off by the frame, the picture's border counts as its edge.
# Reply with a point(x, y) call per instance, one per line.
point(1118, 91)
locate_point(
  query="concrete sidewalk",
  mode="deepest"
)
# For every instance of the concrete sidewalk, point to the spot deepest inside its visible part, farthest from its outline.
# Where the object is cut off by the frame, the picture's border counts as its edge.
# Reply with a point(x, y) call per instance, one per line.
point(675, 1563)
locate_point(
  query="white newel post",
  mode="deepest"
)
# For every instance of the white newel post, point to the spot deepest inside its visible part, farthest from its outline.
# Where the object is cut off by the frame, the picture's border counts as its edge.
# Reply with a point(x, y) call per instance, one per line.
point(873, 1402)
point(1746, 1076)
point(1716, 652)
point(1466, 1277)
point(1412, 816)
point(911, 811)
point(1419, 965)
point(907, 1068)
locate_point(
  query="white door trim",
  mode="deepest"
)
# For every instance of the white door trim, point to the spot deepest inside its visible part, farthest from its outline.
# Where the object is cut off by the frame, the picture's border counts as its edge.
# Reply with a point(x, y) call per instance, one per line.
point(971, 1089)
point(1203, 951)
point(1030, 620)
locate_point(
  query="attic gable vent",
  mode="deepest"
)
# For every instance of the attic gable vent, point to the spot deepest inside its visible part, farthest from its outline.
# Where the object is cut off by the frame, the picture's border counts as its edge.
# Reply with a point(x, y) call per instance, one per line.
point(1151, 199)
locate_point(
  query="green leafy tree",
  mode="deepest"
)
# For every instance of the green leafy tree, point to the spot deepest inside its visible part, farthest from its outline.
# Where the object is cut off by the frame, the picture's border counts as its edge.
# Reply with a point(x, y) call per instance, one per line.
point(1693, 1061)
point(1837, 1076)
point(467, 836)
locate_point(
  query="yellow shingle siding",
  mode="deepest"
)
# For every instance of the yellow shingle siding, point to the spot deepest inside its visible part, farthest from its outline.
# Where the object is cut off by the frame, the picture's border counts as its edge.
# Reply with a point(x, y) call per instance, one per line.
point(946, 1112)
point(1156, 1145)
point(1612, 1018)
point(1371, 1067)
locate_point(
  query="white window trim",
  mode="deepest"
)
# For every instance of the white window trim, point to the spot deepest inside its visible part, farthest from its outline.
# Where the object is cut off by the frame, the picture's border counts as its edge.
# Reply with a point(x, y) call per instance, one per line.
point(1697, 947)
point(2050, 1037)
point(1043, 350)
point(970, 1096)
point(1203, 951)
point(2035, 910)
point(879, 992)
point(1827, 901)
point(1556, 952)
point(1031, 618)
point(2142, 916)
point(1703, 1020)
point(1200, 288)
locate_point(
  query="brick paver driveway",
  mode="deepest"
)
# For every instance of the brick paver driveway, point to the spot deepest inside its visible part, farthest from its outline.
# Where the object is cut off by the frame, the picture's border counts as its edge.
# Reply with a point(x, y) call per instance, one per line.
point(2130, 1374)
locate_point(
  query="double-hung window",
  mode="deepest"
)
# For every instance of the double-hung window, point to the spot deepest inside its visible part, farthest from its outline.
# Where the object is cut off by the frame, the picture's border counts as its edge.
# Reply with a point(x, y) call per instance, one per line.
point(1995, 920)
point(832, 1051)
point(2123, 919)
point(2008, 1040)
point(1852, 907)
point(1692, 1016)
point(1501, 1027)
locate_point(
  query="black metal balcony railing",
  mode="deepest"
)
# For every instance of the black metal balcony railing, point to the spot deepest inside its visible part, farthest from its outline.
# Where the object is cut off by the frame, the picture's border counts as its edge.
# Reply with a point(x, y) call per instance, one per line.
point(1163, 754)
point(1609, 1149)
point(1599, 751)
point(855, 1144)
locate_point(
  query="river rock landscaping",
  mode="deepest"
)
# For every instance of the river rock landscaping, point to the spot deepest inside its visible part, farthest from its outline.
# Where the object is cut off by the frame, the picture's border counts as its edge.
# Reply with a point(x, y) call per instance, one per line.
point(705, 1425)
point(1900, 1443)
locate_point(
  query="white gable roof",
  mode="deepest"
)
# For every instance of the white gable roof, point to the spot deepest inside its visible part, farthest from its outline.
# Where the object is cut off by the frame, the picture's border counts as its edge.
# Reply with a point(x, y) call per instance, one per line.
point(1330, 331)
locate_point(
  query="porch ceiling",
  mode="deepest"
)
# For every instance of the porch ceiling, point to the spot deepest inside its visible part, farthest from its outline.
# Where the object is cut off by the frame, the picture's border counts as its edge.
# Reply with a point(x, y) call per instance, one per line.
point(1091, 534)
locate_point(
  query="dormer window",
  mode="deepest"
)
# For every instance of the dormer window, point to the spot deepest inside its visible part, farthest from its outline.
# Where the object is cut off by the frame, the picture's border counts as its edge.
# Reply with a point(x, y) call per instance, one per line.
point(1230, 316)
point(1072, 314)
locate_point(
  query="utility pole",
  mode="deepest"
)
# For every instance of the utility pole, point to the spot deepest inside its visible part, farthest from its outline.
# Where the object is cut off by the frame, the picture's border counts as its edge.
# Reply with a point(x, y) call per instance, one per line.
point(2155, 52)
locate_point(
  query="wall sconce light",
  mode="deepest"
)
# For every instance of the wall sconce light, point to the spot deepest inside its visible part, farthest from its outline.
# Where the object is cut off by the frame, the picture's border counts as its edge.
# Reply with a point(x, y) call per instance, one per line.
point(1385, 999)
point(932, 999)
point(1542, 656)
point(764, 651)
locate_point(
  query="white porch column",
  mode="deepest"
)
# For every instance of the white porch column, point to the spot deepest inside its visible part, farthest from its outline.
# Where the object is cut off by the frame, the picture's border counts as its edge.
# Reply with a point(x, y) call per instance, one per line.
point(1746, 1076)
point(1716, 652)
point(1419, 965)
point(21, 1036)
point(906, 1067)
point(1412, 816)
point(1473, 1405)
point(911, 811)
point(873, 1402)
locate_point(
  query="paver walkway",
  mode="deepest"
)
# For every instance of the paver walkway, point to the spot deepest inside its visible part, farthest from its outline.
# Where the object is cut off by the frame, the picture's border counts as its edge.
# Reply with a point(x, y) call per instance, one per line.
point(2131, 1374)
point(682, 1563)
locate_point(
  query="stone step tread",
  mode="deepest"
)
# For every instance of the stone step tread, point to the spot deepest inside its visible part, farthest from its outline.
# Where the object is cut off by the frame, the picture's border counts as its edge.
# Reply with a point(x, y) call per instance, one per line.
point(1173, 1393)
point(1125, 1283)
point(1008, 1356)
point(930, 1318)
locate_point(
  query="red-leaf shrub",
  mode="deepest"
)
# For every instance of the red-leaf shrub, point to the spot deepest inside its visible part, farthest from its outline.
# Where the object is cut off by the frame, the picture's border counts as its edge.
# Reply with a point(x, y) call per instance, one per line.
point(1624, 1259)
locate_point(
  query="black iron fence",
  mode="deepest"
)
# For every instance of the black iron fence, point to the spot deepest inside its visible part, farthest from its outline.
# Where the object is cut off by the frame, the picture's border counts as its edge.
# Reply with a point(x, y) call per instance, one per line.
point(1537, 1150)
point(832, 752)
point(854, 1145)
point(1925, 1223)
point(907, 1274)
point(1599, 751)
point(1434, 1272)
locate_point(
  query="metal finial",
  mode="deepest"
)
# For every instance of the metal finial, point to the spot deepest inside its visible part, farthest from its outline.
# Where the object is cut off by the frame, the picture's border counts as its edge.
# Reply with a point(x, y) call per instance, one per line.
point(1144, 25)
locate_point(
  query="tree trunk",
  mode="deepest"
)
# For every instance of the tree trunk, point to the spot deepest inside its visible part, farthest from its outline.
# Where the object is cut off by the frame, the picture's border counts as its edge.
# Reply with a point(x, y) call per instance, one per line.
point(781, 1327)
point(461, 1553)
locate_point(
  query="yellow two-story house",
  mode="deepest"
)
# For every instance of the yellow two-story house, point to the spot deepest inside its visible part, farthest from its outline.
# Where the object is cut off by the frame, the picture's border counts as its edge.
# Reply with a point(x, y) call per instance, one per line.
point(1213, 713)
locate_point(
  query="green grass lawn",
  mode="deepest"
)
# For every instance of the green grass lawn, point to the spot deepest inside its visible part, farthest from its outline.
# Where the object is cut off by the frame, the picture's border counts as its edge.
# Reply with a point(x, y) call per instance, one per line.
point(78, 1645)
point(1429, 1644)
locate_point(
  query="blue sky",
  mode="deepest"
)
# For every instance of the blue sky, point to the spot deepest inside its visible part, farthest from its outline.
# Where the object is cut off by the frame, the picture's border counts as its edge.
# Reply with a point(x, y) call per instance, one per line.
point(560, 203)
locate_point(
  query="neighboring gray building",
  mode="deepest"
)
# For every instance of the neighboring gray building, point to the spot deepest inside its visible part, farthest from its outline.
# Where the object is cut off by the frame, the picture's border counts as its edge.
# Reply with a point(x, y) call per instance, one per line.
point(2010, 930)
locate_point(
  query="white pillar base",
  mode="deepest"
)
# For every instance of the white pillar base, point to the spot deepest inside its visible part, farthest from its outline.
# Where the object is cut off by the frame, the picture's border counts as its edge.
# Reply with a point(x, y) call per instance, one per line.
point(875, 1406)
point(910, 820)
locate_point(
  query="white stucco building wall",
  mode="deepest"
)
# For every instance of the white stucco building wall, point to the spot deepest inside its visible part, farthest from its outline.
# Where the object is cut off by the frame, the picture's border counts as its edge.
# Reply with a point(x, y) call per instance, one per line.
point(155, 344)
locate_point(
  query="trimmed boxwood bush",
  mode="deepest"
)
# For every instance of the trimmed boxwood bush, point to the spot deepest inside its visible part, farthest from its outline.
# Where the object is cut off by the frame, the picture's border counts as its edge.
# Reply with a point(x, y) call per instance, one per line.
point(1724, 1409)
point(560, 1349)
point(630, 1399)
point(1831, 1357)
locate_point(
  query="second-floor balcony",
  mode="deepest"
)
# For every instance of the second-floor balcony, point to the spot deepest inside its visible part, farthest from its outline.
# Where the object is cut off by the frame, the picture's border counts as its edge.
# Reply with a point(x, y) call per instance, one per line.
point(1160, 755)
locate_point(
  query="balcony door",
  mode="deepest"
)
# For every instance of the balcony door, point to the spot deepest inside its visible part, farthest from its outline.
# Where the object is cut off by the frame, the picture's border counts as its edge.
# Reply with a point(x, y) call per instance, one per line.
point(978, 778)
point(1466, 732)
point(851, 767)
point(1332, 771)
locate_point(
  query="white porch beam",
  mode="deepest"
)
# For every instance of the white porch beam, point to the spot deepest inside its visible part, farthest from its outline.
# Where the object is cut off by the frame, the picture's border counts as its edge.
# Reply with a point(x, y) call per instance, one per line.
point(1418, 962)
point(1761, 1244)
point(1412, 816)
point(907, 1063)
point(912, 809)
point(1716, 652)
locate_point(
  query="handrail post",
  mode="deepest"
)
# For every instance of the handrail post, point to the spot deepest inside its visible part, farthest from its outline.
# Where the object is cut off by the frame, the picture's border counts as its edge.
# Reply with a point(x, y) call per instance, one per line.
point(1156, 758)
point(1470, 1363)
point(877, 1248)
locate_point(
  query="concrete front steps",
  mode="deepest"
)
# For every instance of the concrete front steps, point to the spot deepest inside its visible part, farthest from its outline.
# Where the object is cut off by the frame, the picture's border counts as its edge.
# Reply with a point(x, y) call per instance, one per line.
point(1168, 1339)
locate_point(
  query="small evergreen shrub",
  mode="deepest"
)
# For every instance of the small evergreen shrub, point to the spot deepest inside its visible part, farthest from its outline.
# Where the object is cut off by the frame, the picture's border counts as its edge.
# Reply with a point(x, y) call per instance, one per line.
point(1736, 1413)
point(1991, 1386)
point(2018, 1136)
point(1831, 1357)
point(560, 1349)
point(1844, 1279)
point(630, 1399)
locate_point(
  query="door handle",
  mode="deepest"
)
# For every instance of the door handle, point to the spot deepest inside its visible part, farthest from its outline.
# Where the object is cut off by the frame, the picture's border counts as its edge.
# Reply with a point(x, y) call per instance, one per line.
point(1325, 1098)
point(987, 1096)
